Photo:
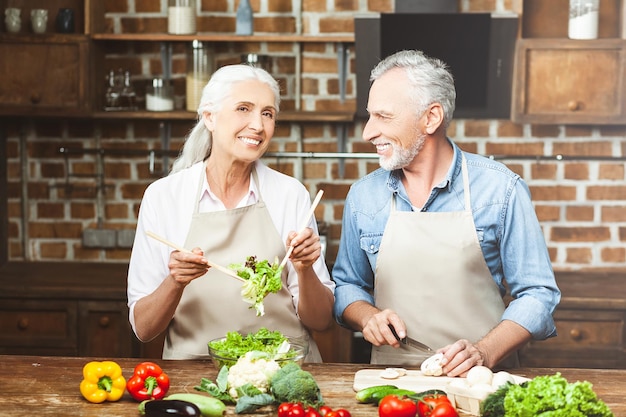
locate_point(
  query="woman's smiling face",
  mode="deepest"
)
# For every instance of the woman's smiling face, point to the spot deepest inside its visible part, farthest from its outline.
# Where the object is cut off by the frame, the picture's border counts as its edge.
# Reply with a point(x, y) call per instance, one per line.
point(245, 122)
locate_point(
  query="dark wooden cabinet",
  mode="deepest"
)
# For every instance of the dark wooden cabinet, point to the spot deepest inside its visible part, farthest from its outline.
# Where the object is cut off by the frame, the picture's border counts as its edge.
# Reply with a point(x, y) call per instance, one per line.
point(76, 309)
point(38, 326)
point(44, 75)
point(565, 81)
point(79, 309)
point(591, 324)
point(572, 82)
point(103, 327)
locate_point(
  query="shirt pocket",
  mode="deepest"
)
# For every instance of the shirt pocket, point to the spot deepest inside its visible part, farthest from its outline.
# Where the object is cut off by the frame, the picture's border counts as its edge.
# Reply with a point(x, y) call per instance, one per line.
point(371, 243)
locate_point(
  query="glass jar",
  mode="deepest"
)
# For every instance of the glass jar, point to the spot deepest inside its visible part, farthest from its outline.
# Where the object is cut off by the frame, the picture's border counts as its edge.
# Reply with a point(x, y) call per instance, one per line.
point(583, 19)
point(199, 70)
point(181, 17)
point(159, 96)
point(256, 60)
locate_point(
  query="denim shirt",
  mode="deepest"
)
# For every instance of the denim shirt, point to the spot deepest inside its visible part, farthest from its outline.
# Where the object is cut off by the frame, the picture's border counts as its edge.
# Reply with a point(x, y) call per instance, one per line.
point(509, 233)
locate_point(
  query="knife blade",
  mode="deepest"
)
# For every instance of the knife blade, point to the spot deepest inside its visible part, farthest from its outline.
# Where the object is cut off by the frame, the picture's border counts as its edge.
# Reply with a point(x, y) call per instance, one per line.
point(407, 341)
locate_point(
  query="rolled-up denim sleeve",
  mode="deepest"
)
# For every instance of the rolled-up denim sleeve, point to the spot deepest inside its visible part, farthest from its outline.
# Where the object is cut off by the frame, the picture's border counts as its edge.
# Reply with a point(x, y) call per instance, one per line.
point(530, 313)
point(527, 267)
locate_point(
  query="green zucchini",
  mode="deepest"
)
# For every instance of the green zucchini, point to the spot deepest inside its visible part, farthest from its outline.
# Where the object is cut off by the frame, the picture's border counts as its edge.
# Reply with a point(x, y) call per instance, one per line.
point(209, 406)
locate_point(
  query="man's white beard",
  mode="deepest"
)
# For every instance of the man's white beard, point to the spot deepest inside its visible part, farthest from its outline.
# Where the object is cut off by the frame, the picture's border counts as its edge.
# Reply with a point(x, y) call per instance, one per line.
point(401, 157)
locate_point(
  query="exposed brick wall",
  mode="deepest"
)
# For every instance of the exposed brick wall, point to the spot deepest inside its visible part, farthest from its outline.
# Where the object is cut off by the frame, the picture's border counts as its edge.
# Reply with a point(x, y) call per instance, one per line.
point(580, 201)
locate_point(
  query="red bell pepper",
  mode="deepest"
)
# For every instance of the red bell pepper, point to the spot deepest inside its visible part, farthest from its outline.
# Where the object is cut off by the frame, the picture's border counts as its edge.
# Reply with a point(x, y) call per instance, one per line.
point(148, 382)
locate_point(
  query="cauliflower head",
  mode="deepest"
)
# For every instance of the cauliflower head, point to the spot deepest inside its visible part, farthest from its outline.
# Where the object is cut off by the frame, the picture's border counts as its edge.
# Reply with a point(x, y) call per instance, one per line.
point(254, 368)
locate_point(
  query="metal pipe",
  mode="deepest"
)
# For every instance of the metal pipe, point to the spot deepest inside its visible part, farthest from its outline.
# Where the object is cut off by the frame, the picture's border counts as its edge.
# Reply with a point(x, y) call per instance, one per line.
point(345, 155)
point(24, 200)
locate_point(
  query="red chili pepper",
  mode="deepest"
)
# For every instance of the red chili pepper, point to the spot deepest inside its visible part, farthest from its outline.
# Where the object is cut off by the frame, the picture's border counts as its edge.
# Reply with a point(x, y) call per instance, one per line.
point(148, 382)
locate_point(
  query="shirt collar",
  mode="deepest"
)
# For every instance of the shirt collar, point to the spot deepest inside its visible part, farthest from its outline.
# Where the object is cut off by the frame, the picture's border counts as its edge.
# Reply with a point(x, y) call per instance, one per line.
point(250, 198)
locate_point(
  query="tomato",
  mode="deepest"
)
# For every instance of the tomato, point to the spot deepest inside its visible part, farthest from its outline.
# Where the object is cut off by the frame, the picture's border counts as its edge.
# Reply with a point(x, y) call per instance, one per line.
point(444, 410)
point(426, 405)
point(296, 410)
point(332, 413)
point(342, 412)
point(393, 406)
point(311, 412)
point(324, 410)
point(283, 409)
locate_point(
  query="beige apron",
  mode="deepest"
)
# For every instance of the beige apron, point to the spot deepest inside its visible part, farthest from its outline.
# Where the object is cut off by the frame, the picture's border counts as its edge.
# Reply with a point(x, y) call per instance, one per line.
point(212, 305)
point(431, 271)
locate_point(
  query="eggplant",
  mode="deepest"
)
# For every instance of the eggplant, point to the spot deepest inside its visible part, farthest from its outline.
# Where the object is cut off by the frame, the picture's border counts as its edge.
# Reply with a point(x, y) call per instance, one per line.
point(169, 408)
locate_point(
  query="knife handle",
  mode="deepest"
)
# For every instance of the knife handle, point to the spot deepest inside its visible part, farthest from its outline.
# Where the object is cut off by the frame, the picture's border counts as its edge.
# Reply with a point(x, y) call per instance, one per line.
point(395, 334)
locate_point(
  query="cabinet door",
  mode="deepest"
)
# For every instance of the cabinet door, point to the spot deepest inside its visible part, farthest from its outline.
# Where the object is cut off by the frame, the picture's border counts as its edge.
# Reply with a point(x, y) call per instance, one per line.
point(38, 327)
point(585, 339)
point(569, 82)
point(46, 76)
point(104, 330)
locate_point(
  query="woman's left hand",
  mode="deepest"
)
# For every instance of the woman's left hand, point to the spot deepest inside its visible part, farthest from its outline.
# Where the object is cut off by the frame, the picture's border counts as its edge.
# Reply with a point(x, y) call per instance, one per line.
point(307, 248)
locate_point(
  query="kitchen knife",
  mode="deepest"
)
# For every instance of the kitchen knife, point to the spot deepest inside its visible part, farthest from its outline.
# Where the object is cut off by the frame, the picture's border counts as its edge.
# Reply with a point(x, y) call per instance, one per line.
point(407, 341)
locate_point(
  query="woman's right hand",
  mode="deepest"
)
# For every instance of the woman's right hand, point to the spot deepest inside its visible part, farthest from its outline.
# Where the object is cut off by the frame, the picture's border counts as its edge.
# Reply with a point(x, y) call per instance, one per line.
point(185, 267)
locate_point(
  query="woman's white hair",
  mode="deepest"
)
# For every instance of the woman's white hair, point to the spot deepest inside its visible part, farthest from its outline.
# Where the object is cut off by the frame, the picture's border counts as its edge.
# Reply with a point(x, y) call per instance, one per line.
point(197, 146)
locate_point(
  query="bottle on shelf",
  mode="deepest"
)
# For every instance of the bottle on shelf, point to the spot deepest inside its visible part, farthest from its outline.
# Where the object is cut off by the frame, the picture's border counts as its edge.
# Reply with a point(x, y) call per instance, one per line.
point(113, 91)
point(245, 23)
point(199, 70)
point(181, 17)
point(128, 98)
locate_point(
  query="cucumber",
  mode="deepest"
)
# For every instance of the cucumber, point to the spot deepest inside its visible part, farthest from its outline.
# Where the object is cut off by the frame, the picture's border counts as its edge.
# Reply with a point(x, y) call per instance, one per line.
point(209, 406)
point(365, 395)
point(379, 395)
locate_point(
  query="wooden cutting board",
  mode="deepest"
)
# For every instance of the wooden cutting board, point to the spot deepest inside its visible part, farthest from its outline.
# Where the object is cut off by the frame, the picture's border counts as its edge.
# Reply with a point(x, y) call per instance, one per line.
point(414, 380)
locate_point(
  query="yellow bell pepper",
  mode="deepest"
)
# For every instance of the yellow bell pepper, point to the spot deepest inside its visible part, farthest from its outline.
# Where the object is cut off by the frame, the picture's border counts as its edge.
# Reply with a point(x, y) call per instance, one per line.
point(103, 381)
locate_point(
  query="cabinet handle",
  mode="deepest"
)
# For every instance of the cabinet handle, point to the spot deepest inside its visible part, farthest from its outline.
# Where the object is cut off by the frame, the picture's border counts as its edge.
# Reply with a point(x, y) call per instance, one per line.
point(575, 334)
point(35, 98)
point(104, 321)
point(573, 105)
point(22, 323)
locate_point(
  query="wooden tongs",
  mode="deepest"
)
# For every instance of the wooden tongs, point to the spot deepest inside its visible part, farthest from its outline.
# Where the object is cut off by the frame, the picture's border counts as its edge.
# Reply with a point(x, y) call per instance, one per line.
point(173, 245)
point(305, 222)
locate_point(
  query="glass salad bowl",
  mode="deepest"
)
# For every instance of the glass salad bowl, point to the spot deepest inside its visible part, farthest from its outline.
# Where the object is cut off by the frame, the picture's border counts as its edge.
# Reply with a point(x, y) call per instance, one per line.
point(225, 351)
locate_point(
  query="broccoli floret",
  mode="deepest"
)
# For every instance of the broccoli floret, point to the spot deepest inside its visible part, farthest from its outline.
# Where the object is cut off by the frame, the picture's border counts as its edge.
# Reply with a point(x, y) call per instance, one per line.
point(294, 385)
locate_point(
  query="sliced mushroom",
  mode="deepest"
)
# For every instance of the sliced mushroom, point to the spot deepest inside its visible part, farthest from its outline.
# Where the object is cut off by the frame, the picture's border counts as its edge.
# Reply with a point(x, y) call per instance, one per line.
point(393, 373)
point(432, 366)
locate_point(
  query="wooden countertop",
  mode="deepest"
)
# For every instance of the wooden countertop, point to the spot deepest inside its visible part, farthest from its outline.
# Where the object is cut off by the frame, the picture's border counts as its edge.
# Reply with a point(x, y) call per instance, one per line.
point(49, 386)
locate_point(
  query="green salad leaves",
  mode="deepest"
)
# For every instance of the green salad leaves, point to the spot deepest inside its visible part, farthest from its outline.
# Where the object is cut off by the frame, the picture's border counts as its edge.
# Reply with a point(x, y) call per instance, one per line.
point(236, 345)
point(261, 278)
point(545, 396)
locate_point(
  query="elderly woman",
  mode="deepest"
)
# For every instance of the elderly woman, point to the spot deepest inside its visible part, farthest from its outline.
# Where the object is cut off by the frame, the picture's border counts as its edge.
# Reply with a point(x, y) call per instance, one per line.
point(224, 204)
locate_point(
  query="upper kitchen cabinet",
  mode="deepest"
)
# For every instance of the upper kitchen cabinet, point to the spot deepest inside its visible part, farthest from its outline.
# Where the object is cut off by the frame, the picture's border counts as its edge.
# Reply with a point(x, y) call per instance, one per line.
point(46, 74)
point(558, 80)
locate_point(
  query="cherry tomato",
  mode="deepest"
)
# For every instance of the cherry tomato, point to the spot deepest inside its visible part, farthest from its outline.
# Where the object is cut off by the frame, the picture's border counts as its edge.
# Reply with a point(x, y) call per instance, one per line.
point(323, 410)
point(283, 409)
point(332, 413)
point(296, 410)
point(444, 410)
point(394, 406)
point(342, 412)
point(311, 412)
